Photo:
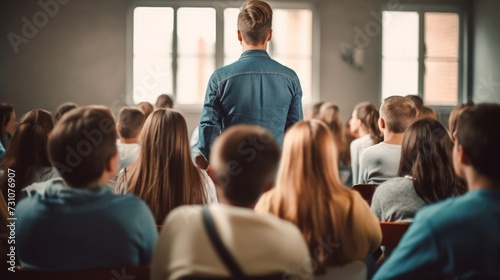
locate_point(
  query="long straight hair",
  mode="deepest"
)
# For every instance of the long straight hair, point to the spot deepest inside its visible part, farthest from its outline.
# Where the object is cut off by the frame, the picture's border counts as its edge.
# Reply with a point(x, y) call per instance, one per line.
point(426, 156)
point(27, 153)
point(307, 182)
point(164, 175)
point(330, 114)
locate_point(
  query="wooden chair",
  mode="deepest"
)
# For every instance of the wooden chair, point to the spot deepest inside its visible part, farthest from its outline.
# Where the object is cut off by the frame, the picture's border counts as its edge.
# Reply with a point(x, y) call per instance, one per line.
point(366, 191)
point(158, 227)
point(131, 272)
point(392, 233)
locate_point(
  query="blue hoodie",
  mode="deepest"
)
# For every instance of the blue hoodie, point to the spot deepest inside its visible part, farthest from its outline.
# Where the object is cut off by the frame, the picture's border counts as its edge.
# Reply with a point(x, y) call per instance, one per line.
point(68, 229)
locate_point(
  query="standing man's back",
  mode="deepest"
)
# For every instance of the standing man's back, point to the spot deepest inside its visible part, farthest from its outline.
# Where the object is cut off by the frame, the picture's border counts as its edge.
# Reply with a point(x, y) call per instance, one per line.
point(253, 90)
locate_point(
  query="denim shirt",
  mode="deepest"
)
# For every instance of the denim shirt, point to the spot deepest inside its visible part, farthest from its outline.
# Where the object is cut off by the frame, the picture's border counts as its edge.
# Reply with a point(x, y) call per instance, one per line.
point(253, 90)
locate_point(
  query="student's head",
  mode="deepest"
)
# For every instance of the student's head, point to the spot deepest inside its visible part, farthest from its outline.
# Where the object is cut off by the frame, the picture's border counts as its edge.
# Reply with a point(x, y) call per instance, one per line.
point(329, 113)
point(315, 110)
point(130, 122)
point(164, 101)
point(417, 101)
point(82, 146)
point(63, 109)
point(27, 153)
point(426, 155)
point(455, 113)
point(244, 160)
point(477, 142)
point(427, 113)
point(255, 22)
point(397, 113)
point(7, 121)
point(146, 108)
point(365, 119)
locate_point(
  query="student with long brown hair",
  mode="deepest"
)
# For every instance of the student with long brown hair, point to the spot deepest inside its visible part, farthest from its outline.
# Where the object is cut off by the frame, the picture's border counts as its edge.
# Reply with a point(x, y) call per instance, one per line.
point(425, 173)
point(27, 154)
point(164, 175)
point(309, 194)
point(364, 121)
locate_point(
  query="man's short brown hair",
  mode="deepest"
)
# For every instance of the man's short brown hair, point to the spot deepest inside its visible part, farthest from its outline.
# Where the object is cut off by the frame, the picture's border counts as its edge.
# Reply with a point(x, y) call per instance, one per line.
point(82, 143)
point(398, 113)
point(130, 122)
point(255, 21)
point(244, 160)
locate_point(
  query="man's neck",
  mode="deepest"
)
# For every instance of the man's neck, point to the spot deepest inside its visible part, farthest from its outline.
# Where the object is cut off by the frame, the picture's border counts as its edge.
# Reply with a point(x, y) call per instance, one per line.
point(246, 47)
point(223, 200)
point(476, 181)
point(393, 138)
point(128, 140)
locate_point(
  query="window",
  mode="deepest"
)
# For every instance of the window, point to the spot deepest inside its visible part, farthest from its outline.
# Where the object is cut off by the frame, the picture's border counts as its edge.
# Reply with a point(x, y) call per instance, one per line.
point(421, 55)
point(176, 49)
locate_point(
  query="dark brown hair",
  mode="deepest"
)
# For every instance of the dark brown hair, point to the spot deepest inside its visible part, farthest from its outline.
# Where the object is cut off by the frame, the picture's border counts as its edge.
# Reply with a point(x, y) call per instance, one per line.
point(255, 21)
point(130, 122)
point(368, 114)
point(27, 153)
point(479, 135)
point(82, 143)
point(398, 113)
point(417, 101)
point(164, 101)
point(5, 112)
point(63, 109)
point(426, 155)
point(146, 107)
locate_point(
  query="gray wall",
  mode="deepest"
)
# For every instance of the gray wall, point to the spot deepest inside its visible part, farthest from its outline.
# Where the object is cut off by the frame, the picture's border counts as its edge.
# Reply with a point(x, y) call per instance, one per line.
point(486, 51)
point(79, 55)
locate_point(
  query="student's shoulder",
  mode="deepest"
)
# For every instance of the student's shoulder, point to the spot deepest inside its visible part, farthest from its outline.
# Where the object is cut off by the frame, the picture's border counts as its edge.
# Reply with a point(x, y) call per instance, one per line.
point(452, 212)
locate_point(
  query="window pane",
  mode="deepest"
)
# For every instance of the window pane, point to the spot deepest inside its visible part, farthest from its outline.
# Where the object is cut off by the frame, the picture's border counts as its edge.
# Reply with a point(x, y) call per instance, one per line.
point(196, 49)
point(232, 47)
point(441, 60)
point(399, 53)
point(152, 50)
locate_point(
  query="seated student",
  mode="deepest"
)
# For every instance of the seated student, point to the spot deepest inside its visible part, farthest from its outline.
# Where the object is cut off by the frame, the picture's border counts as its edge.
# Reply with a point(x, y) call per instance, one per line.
point(364, 122)
point(27, 154)
point(309, 194)
point(164, 175)
point(129, 126)
point(63, 109)
point(7, 125)
point(380, 162)
point(146, 108)
point(258, 244)
point(164, 101)
point(454, 114)
point(425, 174)
point(459, 238)
point(78, 223)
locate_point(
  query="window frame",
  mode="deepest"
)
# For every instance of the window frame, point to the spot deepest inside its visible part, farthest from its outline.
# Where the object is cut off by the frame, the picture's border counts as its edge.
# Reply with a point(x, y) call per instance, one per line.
point(219, 7)
point(421, 9)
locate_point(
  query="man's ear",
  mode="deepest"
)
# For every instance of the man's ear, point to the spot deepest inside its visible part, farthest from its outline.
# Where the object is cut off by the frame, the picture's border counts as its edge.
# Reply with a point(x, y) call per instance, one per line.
point(211, 174)
point(240, 37)
point(381, 123)
point(270, 35)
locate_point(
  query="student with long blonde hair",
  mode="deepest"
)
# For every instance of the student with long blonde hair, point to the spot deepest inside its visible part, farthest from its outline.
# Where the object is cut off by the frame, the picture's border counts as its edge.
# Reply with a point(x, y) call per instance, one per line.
point(164, 175)
point(309, 194)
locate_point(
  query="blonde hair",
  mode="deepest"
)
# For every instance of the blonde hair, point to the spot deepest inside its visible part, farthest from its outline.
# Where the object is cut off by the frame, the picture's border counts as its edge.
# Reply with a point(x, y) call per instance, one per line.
point(330, 114)
point(307, 182)
point(164, 175)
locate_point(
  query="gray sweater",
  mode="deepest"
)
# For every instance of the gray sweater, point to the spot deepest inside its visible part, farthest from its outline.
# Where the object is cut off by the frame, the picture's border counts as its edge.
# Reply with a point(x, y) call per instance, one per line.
point(357, 148)
point(379, 163)
point(396, 201)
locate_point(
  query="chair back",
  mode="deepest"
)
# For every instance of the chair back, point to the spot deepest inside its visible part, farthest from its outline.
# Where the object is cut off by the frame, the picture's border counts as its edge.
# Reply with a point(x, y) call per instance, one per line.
point(130, 272)
point(392, 233)
point(366, 191)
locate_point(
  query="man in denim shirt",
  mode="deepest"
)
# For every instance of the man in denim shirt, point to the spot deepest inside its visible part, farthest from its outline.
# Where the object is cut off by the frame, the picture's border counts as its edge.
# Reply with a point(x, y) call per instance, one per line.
point(253, 90)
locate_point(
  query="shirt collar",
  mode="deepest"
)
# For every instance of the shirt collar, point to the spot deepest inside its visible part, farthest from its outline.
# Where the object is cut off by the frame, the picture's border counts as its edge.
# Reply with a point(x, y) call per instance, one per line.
point(254, 53)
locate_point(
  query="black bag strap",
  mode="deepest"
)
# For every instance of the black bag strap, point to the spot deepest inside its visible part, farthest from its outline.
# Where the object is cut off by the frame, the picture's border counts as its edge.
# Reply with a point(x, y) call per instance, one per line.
point(222, 251)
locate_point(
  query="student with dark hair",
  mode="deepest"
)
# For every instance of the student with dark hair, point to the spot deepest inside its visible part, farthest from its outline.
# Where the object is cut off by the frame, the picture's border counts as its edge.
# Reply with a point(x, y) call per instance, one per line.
point(364, 121)
point(7, 125)
point(253, 90)
point(129, 126)
point(27, 154)
point(259, 245)
point(164, 101)
point(380, 162)
point(78, 223)
point(146, 108)
point(459, 238)
point(425, 174)
point(63, 109)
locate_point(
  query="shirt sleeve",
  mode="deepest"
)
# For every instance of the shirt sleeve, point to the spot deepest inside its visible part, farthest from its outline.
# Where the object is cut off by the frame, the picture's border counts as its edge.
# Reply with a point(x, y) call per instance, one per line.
point(295, 112)
point(416, 256)
point(363, 173)
point(211, 118)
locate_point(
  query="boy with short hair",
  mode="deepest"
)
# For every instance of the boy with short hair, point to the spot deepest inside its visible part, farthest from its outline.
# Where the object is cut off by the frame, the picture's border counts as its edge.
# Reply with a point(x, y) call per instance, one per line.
point(129, 126)
point(78, 223)
point(380, 162)
point(459, 238)
point(244, 162)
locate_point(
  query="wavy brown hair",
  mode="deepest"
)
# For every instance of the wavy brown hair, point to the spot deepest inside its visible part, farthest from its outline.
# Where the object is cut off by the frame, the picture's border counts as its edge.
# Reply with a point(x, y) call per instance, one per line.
point(27, 153)
point(426, 156)
point(164, 175)
point(368, 114)
point(329, 113)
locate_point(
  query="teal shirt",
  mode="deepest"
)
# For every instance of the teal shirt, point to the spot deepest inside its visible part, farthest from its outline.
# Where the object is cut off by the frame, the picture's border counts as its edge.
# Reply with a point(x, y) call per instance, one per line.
point(458, 238)
point(70, 229)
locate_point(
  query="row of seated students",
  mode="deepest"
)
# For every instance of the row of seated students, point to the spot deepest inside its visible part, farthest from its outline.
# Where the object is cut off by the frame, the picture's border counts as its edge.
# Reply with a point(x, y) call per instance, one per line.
point(74, 221)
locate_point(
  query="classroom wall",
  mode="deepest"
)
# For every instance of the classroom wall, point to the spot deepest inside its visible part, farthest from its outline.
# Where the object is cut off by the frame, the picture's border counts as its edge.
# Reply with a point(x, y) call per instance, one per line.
point(486, 63)
point(79, 53)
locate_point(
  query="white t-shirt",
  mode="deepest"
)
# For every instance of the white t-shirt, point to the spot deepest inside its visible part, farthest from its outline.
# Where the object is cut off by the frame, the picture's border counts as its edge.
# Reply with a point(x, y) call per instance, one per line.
point(128, 152)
